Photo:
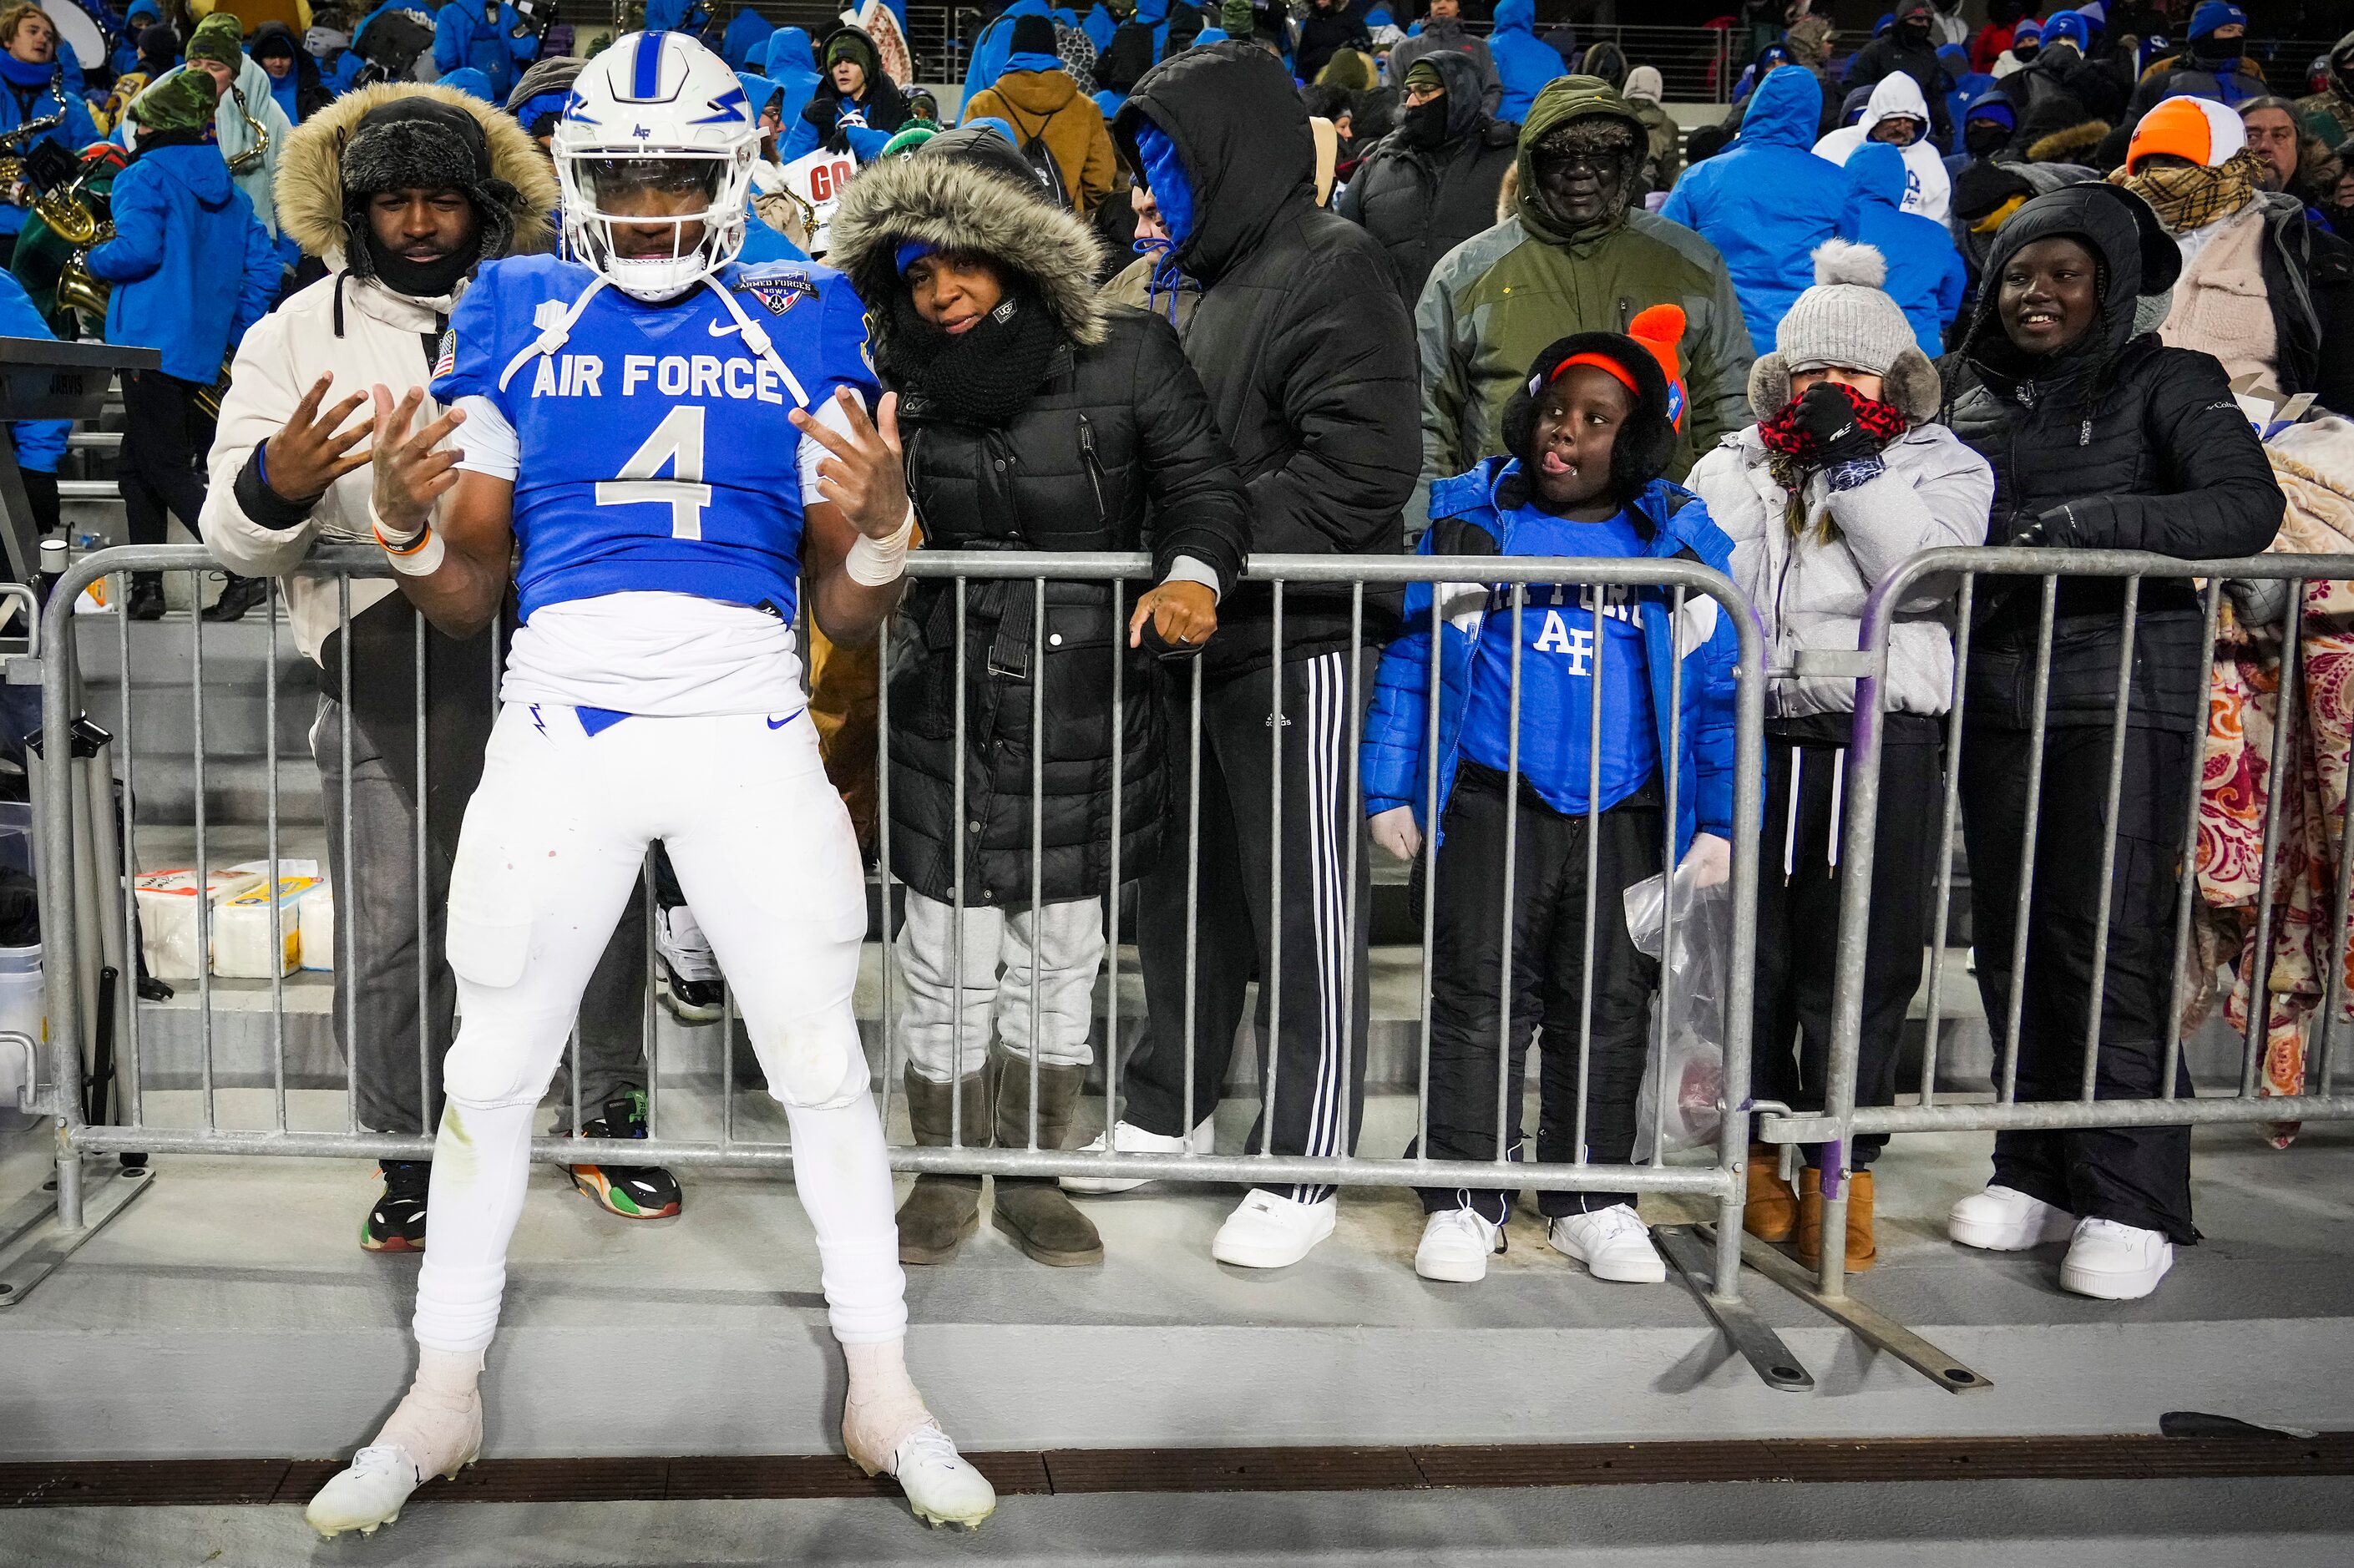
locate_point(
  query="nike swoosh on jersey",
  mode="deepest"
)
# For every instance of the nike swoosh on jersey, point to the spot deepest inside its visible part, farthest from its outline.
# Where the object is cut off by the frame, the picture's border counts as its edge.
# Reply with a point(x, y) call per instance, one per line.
point(780, 723)
point(721, 329)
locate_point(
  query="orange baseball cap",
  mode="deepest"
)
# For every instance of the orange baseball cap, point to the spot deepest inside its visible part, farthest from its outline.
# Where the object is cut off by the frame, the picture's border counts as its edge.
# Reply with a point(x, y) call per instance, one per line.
point(2198, 129)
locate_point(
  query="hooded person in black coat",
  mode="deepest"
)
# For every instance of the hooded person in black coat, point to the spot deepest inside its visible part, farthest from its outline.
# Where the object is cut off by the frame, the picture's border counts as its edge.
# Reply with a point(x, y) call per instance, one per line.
point(2101, 438)
point(1431, 183)
point(1035, 416)
point(1307, 356)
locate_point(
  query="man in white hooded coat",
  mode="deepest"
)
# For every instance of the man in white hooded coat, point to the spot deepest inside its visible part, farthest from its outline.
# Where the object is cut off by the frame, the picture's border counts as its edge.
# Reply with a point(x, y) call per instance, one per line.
point(1928, 189)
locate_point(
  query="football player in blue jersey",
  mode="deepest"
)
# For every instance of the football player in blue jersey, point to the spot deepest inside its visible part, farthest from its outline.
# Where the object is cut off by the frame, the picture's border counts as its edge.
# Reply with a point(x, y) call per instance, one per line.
point(678, 444)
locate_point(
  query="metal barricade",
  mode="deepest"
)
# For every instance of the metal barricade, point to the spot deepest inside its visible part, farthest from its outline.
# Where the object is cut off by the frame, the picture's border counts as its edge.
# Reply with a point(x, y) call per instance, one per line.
point(2041, 572)
point(1006, 578)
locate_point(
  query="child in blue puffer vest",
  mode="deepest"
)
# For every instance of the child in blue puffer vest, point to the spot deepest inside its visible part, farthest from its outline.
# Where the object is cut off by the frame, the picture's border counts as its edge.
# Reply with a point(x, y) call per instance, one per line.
point(1589, 434)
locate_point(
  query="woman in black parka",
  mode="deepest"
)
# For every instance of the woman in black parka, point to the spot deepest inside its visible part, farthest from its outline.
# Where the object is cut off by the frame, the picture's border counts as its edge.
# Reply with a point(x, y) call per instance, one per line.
point(1034, 416)
point(2101, 438)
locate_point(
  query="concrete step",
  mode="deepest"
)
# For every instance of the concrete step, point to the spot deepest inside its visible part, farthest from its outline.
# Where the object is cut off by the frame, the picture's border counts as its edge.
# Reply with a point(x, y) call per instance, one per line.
point(230, 1312)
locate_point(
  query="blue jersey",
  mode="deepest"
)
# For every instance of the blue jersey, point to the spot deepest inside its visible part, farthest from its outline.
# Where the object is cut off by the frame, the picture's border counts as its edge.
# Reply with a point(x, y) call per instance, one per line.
point(653, 449)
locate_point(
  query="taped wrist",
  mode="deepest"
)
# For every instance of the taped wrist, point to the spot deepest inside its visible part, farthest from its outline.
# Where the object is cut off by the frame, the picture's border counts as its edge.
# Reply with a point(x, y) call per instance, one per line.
point(879, 563)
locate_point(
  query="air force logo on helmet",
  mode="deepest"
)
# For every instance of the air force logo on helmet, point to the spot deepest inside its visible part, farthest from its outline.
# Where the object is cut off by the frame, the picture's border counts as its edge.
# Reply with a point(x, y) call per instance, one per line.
point(658, 130)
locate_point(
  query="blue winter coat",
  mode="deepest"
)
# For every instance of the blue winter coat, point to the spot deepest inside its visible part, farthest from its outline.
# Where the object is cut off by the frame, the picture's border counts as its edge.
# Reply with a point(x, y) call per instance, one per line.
point(192, 267)
point(40, 442)
point(460, 38)
point(1099, 26)
point(472, 83)
point(1927, 276)
point(1523, 63)
point(1392, 758)
point(677, 16)
point(790, 64)
point(141, 15)
point(76, 132)
point(996, 42)
point(1968, 87)
point(1767, 201)
point(746, 44)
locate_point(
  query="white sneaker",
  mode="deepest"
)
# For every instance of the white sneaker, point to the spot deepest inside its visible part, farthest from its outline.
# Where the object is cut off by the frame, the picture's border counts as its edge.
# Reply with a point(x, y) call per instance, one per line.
point(427, 1434)
point(1612, 1244)
point(1456, 1247)
point(2115, 1262)
point(2001, 1219)
point(1129, 1139)
point(369, 1494)
point(942, 1487)
point(1270, 1231)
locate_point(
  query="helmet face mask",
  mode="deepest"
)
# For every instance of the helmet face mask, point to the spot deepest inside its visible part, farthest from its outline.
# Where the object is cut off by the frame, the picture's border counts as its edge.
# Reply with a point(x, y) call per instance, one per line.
point(657, 135)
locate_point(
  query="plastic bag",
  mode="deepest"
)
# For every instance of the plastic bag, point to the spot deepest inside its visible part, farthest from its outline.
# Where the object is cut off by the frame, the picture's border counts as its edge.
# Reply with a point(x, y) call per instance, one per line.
point(1688, 1024)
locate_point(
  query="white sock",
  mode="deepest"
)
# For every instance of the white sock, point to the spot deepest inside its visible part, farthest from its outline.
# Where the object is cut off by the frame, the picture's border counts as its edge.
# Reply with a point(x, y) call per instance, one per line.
point(884, 1405)
point(438, 1423)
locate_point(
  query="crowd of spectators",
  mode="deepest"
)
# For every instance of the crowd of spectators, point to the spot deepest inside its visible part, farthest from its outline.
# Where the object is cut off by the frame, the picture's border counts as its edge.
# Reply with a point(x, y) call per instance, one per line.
point(1470, 285)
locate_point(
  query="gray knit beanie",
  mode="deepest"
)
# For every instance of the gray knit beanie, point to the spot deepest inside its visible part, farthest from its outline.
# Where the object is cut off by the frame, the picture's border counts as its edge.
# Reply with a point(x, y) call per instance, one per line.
point(1846, 319)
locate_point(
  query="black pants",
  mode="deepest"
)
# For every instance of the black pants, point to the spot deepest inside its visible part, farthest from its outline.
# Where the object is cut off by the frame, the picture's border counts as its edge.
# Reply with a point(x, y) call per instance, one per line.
point(1798, 886)
point(1318, 1051)
point(164, 439)
point(2136, 1175)
point(1549, 932)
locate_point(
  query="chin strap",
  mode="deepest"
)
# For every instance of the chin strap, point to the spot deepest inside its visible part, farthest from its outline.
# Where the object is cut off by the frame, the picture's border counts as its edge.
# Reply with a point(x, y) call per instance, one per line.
point(552, 336)
point(755, 338)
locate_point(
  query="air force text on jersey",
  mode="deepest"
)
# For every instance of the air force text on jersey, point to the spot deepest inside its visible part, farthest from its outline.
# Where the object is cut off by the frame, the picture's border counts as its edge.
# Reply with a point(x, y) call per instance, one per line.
point(703, 375)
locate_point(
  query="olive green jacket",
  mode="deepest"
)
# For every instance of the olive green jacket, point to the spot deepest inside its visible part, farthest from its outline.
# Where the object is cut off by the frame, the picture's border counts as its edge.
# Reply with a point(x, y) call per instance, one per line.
point(1499, 298)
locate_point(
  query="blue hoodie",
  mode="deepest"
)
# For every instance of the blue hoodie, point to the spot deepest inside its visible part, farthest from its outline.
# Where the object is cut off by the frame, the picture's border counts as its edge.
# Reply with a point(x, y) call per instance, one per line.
point(1394, 766)
point(1099, 26)
point(1523, 63)
point(142, 16)
point(192, 267)
point(469, 82)
point(792, 66)
point(1767, 201)
point(744, 45)
point(1926, 273)
point(996, 42)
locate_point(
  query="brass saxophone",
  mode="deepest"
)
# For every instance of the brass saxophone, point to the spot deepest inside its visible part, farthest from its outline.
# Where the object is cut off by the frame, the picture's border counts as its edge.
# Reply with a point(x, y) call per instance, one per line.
point(252, 155)
point(71, 218)
point(13, 144)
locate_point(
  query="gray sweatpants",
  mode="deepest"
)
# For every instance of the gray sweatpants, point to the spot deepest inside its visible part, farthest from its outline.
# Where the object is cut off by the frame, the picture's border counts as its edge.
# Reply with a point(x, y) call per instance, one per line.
point(375, 975)
point(944, 1033)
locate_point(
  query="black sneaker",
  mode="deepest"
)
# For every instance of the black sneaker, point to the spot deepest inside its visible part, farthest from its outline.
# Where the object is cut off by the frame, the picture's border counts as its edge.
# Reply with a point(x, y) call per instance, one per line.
point(632, 1192)
point(146, 601)
point(236, 595)
point(693, 1001)
point(397, 1223)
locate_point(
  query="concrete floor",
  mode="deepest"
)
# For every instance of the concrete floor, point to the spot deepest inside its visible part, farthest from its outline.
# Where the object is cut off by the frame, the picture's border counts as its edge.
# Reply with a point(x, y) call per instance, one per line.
point(231, 1313)
point(2046, 1524)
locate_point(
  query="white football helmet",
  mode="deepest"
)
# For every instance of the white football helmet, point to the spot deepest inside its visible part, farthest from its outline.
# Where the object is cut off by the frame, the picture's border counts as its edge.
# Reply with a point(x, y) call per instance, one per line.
point(658, 132)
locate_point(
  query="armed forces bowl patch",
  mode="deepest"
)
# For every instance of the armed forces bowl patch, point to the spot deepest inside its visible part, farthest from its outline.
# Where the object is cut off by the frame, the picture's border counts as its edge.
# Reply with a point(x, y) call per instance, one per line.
point(778, 293)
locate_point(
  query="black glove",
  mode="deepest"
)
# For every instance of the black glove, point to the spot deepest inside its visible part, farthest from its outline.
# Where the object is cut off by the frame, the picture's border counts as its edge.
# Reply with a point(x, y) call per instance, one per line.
point(1826, 414)
point(2054, 529)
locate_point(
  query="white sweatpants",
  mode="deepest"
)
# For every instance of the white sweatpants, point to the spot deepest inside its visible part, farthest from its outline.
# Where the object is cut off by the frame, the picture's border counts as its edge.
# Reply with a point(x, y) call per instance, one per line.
point(945, 1034)
point(554, 839)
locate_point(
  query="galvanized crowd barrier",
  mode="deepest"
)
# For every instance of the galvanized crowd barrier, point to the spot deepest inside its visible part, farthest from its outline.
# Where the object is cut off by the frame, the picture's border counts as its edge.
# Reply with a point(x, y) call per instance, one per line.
point(90, 932)
point(1842, 1118)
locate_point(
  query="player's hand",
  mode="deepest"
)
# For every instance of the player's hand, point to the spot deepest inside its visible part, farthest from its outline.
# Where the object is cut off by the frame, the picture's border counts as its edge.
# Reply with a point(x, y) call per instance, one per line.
point(410, 476)
point(863, 476)
point(1182, 614)
point(309, 453)
point(1395, 831)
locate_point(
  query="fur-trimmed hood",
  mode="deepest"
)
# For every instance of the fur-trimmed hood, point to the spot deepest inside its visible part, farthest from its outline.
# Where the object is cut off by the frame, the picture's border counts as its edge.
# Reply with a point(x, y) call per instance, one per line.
point(959, 204)
point(309, 189)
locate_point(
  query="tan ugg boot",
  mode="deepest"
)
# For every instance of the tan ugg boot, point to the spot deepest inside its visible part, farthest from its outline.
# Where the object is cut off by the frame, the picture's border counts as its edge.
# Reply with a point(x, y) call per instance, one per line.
point(942, 1210)
point(1031, 1210)
point(1772, 1212)
point(1861, 1250)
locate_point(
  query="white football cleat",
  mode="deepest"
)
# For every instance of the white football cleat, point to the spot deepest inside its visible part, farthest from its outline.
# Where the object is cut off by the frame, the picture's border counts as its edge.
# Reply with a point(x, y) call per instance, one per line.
point(1127, 1138)
point(1271, 1231)
point(2115, 1262)
point(2000, 1219)
point(1613, 1242)
point(435, 1430)
point(1456, 1247)
point(369, 1494)
point(942, 1486)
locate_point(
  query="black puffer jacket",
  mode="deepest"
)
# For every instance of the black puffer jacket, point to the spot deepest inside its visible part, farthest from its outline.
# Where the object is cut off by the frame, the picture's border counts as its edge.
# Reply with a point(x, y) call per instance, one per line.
point(1300, 339)
point(1115, 451)
point(1422, 202)
point(2117, 443)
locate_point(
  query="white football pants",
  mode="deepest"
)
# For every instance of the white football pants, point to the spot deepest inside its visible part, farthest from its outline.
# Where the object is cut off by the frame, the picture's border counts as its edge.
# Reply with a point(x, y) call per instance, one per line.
point(554, 839)
point(944, 1033)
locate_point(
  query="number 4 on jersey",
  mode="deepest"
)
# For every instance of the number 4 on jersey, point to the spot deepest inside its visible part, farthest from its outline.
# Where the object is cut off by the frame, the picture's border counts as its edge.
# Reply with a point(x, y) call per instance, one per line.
point(678, 443)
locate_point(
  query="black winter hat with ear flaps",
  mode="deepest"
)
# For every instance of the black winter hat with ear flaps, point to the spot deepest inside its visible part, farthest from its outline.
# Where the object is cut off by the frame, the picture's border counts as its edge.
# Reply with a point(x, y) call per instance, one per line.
point(1647, 442)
